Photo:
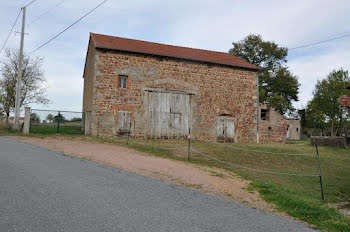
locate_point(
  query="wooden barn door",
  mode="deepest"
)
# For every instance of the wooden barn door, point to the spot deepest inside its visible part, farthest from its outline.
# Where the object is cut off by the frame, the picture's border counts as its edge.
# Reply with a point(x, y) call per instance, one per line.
point(169, 114)
point(225, 129)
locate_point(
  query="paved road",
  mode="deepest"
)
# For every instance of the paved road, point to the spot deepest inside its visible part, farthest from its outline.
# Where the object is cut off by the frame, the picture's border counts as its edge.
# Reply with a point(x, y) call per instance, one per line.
point(43, 190)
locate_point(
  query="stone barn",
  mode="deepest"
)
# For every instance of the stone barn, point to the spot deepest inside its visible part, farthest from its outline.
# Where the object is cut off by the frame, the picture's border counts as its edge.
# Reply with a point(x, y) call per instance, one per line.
point(164, 91)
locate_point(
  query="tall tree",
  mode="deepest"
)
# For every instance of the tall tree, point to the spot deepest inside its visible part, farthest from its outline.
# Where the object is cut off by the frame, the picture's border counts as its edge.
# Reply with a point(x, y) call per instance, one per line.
point(50, 118)
point(324, 106)
point(32, 79)
point(278, 87)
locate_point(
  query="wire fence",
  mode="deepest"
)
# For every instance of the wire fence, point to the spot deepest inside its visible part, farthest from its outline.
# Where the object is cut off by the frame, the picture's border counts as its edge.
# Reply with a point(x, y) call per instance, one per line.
point(54, 121)
point(195, 150)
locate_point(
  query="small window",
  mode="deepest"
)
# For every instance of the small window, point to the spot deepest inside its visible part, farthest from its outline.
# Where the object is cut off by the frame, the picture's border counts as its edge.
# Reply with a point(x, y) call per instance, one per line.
point(297, 129)
point(122, 81)
point(264, 114)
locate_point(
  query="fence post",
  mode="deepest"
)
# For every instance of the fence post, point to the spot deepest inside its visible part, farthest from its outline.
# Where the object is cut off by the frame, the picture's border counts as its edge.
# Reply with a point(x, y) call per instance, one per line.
point(319, 172)
point(26, 125)
point(127, 142)
point(189, 145)
point(58, 121)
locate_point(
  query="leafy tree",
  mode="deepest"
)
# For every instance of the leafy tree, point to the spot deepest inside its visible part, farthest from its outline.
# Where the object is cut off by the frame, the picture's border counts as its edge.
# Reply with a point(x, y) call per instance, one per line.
point(59, 116)
point(34, 117)
point(32, 78)
point(278, 87)
point(324, 106)
point(50, 118)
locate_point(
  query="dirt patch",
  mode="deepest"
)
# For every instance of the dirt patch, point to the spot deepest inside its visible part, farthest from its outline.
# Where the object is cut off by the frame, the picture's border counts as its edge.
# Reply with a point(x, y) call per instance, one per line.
point(209, 179)
point(342, 207)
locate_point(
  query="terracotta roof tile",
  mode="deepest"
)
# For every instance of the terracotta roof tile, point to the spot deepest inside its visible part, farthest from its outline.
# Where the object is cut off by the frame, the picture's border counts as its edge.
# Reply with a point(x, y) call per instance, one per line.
point(138, 46)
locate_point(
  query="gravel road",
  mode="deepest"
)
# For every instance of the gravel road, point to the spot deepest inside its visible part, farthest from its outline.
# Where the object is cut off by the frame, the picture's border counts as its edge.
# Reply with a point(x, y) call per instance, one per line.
point(43, 190)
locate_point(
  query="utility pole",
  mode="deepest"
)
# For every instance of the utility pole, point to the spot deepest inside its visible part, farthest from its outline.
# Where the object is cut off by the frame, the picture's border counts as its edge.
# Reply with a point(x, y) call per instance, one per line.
point(19, 74)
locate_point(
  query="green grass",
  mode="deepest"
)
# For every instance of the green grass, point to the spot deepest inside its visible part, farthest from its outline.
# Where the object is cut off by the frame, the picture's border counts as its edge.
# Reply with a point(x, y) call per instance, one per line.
point(53, 129)
point(298, 196)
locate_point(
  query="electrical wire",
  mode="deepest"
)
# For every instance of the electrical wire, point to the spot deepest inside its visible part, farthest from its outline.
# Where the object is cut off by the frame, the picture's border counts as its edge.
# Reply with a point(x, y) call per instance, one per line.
point(46, 12)
point(323, 41)
point(67, 28)
point(3, 46)
point(30, 3)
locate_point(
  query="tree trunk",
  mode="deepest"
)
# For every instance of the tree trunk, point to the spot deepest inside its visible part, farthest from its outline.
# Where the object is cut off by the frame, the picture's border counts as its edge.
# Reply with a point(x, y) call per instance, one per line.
point(332, 128)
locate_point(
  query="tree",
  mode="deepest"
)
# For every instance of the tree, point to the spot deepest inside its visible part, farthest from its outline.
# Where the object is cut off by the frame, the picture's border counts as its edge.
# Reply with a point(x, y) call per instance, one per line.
point(324, 106)
point(34, 117)
point(32, 78)
point(278, 87)
point(50, 118)
point(60, 117)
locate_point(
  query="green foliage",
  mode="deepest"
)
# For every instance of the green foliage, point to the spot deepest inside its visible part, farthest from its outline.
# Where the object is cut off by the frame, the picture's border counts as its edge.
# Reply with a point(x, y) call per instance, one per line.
point(50, 118)
point(278, 87)
point(324, 107)
point(34, 117)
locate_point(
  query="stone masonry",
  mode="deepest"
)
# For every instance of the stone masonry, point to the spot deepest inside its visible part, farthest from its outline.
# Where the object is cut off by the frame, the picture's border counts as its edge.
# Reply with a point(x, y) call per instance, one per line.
point(215, 90)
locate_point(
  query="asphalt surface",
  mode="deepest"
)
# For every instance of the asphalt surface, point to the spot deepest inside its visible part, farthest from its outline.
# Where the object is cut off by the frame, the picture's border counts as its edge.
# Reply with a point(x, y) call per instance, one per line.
point(44, 190)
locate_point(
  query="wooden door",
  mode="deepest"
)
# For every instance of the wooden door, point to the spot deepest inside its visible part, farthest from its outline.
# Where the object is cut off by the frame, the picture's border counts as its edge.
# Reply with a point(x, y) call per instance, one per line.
point(169, 114)
point(225, 129)
point(123, 121)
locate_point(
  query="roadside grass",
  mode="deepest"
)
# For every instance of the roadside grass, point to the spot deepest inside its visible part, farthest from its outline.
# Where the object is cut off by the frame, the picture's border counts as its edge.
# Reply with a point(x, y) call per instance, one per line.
point(298, 196)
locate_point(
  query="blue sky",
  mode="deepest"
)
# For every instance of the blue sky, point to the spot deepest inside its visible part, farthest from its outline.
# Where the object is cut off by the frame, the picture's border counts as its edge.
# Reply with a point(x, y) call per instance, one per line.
point(201, 24)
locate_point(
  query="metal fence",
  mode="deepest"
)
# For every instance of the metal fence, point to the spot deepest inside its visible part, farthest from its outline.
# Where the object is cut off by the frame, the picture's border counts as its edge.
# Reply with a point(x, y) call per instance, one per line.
point(55, 121)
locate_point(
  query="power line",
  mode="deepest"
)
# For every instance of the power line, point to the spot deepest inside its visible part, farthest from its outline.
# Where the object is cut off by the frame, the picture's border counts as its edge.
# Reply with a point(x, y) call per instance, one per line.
point(3, 46)
point(323, 41)
point(46, 12)
point(67, 27)
point(30, 3)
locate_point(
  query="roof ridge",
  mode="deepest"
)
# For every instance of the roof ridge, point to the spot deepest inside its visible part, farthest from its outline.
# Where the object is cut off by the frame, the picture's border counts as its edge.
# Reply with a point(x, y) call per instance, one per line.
point(147, 47)
point(170, 45)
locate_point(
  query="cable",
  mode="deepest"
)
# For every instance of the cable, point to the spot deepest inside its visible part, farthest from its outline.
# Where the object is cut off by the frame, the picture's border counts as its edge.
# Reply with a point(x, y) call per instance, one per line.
point(324, 41)
point(10, 31)
point(253, 169)
point(67, 28)
point(46, 12)
point(30, 3)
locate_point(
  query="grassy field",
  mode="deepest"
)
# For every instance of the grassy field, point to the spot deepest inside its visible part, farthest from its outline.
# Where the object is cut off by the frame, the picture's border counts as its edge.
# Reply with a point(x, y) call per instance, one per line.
point(53, 129)
point(299, 196)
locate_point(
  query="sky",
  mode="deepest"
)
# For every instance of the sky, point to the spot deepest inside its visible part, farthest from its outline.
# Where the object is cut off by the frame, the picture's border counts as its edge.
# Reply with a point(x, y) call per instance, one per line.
point(205, 24)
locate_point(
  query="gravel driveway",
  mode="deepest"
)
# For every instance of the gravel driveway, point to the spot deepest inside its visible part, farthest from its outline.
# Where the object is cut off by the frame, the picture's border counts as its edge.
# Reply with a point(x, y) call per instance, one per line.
point(43, 190)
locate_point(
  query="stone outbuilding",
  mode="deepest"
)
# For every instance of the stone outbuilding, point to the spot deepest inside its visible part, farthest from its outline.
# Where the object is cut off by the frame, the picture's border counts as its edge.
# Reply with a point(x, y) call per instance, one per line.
point(164, 91)
point(293, 129)
point(273, 126)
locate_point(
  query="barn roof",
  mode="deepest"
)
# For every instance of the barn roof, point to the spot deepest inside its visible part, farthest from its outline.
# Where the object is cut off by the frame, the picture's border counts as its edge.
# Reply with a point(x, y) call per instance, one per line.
point(144, 47)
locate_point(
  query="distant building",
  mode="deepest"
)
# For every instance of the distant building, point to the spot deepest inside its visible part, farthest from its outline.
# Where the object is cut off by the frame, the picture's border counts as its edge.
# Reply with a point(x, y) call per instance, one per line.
point(273, 126)
point(293, 129)
point(345, 99)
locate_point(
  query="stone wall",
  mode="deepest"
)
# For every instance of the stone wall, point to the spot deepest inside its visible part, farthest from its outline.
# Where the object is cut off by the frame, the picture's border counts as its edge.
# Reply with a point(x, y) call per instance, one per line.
point(329, 141)
point(215, 90)
point(274, 128)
